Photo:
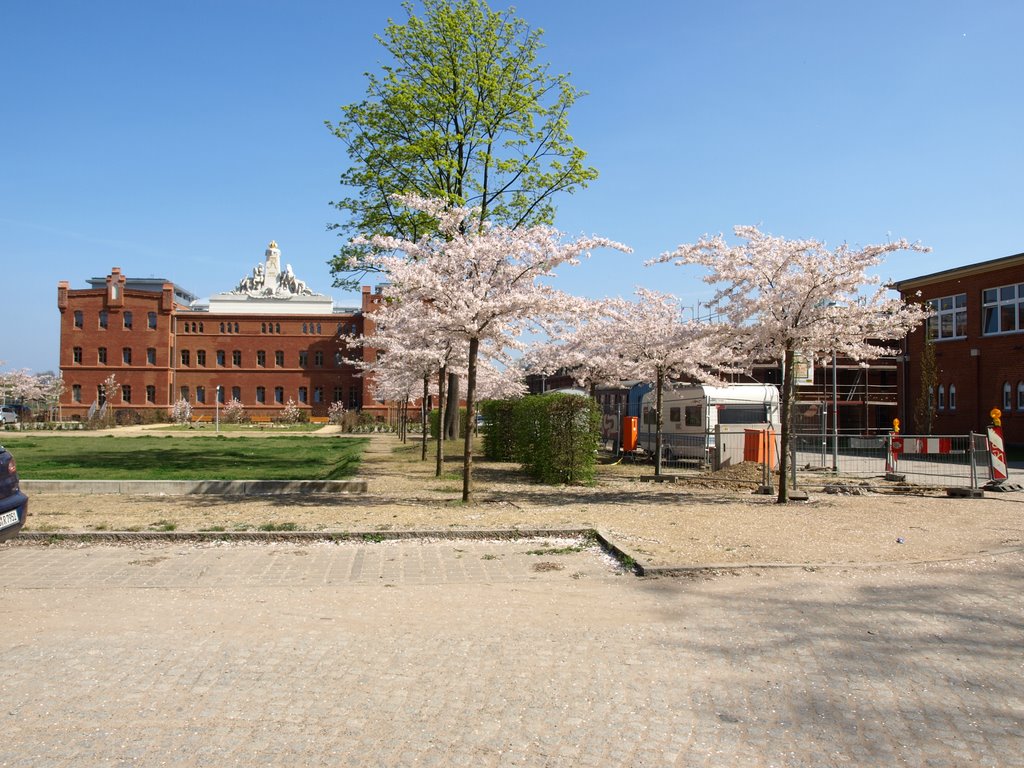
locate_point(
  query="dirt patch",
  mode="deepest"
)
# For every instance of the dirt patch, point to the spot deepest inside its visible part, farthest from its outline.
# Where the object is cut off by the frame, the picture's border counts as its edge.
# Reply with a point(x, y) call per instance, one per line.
point(702, 519)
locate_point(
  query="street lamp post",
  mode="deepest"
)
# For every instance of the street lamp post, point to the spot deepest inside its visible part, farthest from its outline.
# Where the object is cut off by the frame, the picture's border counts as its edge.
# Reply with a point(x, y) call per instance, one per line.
point(216, 410)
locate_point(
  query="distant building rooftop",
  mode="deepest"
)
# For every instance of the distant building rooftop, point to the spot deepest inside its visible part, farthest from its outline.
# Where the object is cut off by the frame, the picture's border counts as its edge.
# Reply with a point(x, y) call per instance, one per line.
point(151, 284)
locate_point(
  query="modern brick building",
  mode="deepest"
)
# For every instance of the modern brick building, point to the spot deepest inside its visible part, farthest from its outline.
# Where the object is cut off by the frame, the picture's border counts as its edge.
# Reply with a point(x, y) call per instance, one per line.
point(268, 341)
point(977, 327)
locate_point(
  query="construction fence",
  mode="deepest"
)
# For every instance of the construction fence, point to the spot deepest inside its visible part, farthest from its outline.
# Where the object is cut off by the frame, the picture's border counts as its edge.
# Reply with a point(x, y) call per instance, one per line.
point(821, 457)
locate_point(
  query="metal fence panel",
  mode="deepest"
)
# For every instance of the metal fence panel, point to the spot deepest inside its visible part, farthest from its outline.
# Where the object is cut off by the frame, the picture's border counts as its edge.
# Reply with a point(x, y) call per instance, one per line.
point(928, 460)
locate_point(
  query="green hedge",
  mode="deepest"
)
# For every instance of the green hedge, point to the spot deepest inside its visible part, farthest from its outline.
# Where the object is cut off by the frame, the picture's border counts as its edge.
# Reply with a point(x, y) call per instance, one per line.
point(499, 434)
point(555, 437)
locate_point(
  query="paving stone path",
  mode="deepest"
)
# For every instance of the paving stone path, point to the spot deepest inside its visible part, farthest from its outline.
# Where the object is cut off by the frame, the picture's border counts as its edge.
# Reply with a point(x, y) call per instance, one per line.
point(480, 654)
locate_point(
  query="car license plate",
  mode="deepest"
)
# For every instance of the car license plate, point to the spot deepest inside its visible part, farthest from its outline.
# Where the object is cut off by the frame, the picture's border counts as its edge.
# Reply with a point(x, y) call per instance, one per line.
point(7, 519)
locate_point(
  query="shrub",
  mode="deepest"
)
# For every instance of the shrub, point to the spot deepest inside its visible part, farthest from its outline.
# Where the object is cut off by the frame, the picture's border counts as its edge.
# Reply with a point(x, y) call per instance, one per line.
point(499, 436)
point(336, 413)
point(181, 412)
point(292, 414)
point(556, 437)
point(234, 412)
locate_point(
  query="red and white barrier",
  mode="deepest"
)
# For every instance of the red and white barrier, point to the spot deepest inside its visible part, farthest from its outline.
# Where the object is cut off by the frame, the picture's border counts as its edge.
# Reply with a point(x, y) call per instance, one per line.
point(927, 445)
point(997, 456)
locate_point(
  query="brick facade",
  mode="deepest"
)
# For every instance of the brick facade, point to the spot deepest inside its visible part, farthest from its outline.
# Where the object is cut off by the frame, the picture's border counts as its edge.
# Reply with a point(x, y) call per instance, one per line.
point(160, 349)
point(979, 348)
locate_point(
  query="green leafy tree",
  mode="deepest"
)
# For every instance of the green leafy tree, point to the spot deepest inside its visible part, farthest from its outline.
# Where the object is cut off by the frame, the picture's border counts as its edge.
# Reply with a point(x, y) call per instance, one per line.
point(924, 410)
point(462, 112)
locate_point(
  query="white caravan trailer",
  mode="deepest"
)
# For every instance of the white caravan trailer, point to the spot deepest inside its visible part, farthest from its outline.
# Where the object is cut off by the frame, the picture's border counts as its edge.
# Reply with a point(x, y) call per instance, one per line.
point(691, 412)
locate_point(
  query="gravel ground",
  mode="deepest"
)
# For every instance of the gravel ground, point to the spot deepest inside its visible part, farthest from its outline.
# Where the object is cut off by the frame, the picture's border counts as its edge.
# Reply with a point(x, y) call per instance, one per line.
point(701, 520)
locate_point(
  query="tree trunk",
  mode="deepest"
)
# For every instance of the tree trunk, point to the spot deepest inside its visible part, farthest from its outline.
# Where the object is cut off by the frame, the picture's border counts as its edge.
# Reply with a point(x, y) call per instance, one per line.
point(467, 456)
point(442, 376)
point(786, 416)
point(424, 417)
point(451, 420)
point(659, 386)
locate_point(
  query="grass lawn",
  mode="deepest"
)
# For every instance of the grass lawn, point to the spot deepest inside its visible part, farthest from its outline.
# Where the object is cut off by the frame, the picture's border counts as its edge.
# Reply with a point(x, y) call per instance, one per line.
point(211, 428)
point(195, 458)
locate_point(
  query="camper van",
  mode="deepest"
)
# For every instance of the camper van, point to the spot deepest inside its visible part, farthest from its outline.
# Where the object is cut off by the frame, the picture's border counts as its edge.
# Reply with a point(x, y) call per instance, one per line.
point(691, 413)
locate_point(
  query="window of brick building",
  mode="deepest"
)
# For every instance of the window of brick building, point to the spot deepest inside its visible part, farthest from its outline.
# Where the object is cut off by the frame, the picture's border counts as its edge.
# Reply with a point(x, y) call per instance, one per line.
point(1003, 309)
point(261, 359)
point(318, 394)
point(200, 394)
point(353, 397)
point(318, 359)
point(303, 395)
point(127, 318)
point(76, 355)
point(201, 357)
point(949, 317)
point(279, 359)
point(279, 395)
point(126, 393)
point(261, 394)
point(151, 356)
point(79, 321)
point(184, 394)
point(952, 397)
point(185, 357)
point(303, 359)
point(221, 357)
point(126, 355)
point(339, 395)
point(101, 355)
point(150, 393)
point(76, 393)
point(151, 320)
point(236, 393)
point(1007, 399)
point(1020, 396)
point(103, 318)
point(220, 395)
point(236, 358)
point(942, 398)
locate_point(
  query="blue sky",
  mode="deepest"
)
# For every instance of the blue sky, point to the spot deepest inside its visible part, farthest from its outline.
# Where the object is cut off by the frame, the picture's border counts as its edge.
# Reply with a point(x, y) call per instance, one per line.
point(176, 140)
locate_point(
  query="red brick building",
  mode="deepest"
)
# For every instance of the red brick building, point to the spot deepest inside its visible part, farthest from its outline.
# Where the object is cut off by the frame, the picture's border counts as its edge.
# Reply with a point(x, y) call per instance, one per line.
point(977, 327)
point(268, 341)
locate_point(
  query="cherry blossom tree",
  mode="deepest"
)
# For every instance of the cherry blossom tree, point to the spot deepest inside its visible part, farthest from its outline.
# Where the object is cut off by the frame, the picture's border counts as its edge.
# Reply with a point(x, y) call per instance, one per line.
point(406, 342)
point(483, 284)
point(788, 297)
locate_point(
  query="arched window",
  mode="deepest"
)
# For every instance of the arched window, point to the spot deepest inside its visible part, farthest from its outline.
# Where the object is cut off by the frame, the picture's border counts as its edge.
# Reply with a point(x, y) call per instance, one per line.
point(931, 398)
point(1020, 396)
point(952, 397)
point(1007, 400)
point(942, 398)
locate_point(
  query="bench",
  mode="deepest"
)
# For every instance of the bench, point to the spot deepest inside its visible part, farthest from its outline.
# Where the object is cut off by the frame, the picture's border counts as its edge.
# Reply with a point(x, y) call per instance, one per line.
point(319, 420)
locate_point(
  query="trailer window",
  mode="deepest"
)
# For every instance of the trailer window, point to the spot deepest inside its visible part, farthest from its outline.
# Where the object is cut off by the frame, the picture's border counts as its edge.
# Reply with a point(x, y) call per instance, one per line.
point(742, 414)
point(693, 416)
point(649, 416)
point(673, 415)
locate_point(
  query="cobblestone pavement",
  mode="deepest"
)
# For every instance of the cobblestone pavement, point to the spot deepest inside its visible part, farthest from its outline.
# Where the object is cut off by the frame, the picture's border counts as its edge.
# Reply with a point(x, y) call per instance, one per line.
point(479, 654)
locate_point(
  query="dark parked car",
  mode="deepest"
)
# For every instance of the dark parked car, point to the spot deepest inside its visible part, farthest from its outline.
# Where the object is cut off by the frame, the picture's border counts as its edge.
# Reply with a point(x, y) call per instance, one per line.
point(13, 503)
